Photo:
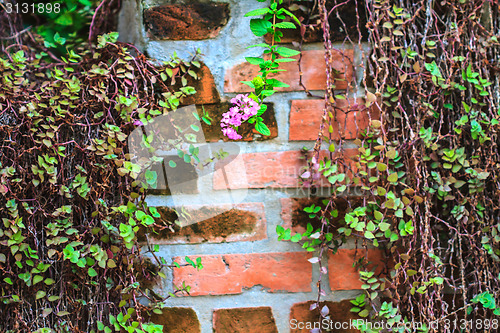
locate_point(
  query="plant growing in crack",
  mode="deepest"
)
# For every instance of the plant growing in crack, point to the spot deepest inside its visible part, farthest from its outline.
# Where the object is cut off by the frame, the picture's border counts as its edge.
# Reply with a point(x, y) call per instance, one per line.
point(251, 107)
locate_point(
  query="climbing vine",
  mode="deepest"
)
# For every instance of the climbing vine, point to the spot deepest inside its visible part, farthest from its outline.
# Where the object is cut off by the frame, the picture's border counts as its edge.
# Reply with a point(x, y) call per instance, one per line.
point(427, 168)
point(250, 108)
point(72, 201)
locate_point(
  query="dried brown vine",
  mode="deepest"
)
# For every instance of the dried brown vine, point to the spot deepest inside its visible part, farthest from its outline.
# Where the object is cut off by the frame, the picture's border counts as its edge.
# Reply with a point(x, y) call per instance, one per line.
point(427, 168)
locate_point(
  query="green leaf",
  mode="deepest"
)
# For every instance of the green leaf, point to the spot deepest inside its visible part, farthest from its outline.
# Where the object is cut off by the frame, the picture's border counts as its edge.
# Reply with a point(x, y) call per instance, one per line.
point(262, 128)
point(433, 68)
point(258, 45)
point(40, 294)
point(411, 272)
point(65, 19)
point(46, 312)
point(381, 191)
point(291, 15)
point(381, 167)
point(383, 226)
point(285, 25)
point(259, 26)
point(276, 84)
point(262, 109)
point(369, 235)
point(393, 177)
point(248, 83)
point(92, 272)
point(389, 204)
point(37, 278)
point(285, 60)
point(364, 313)
point(254, 60)
point(257, 12)
point(286, 52)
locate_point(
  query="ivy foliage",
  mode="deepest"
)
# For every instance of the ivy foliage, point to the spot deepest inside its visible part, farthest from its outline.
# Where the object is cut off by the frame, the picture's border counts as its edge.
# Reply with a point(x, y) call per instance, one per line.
point(426, 170)
point(65, 26)
point(71, 200)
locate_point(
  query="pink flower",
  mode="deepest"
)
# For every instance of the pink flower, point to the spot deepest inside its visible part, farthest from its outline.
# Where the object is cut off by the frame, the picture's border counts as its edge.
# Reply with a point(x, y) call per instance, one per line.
point(244, 108)
point(231, 133)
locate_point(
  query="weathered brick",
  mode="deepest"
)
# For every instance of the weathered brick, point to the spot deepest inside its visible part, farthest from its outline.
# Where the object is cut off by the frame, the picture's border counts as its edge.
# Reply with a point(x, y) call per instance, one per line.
point(213, 132)
point(176, 320)
point(185, 175)
point(344, 22)
point(231, 273)
point(294, 216)
point(342, 275)
point(272, 169)
point(311, 35)
point(204, 84)
point(221, 223)
point(313, 70)
point(303, 320)
point(244, 320)
point(147, 273)
point(186, 21)
point(352, 117)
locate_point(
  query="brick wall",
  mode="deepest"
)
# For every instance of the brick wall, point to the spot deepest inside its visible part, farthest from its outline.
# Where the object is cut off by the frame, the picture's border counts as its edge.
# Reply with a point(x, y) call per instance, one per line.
point(250, 282)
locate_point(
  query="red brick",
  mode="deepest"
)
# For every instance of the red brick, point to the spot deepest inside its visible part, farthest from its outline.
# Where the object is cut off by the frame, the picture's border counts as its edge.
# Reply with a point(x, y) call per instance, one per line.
point(221, 223)
point(351, 120)
point(231, 273)
point(340, 313)
point(244, 320)
point(176, 320)
point(186, 21)
point(272, 169)
point(313, 69)
point(206, 91)
point(341, 273)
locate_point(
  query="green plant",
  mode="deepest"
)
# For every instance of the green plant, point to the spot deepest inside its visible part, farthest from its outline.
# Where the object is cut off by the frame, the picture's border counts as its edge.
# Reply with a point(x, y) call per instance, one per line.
point(63, 25)
point(425, 169)
point(72, 201)
point(262, 84)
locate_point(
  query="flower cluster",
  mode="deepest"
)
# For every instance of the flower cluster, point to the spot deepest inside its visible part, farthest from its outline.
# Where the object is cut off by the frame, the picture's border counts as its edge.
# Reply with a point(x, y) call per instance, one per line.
point(244, 108)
